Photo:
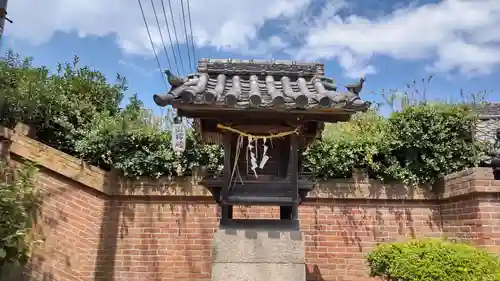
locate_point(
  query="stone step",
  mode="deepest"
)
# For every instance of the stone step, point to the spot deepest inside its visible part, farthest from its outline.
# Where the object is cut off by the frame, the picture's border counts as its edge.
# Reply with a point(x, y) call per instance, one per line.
point(258, 253)
point(254, 245)
point(258, 272)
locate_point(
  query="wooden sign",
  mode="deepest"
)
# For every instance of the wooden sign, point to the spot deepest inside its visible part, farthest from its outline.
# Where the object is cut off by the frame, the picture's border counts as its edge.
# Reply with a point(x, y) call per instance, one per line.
point(178, 137)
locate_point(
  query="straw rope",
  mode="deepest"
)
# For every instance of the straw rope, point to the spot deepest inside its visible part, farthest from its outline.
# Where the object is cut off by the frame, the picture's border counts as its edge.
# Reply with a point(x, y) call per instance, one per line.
point(255, 137)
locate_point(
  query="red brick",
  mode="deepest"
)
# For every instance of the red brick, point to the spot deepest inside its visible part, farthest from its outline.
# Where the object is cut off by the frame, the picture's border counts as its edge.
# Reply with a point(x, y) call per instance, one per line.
point(91, 236)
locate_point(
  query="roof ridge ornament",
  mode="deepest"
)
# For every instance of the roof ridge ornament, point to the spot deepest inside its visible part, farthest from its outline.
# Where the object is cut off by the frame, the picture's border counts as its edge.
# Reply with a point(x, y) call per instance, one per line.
point(356, 88)
point(173, 80)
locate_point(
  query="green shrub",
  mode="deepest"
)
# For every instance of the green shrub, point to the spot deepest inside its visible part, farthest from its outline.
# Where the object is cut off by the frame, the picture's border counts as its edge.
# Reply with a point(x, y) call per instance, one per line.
point(428, 141)
point(420, 144)
point(18, 201)
point(433, 260)
point(77, 110)
point(137, 144)
point(346, 146)
point(55, 104)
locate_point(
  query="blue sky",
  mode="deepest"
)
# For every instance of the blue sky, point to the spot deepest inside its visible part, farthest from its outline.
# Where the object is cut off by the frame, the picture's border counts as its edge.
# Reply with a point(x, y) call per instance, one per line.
point(391, 42)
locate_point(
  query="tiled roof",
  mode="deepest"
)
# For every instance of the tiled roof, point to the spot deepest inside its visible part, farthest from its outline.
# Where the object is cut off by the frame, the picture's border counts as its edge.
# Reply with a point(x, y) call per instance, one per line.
point(490, 110)
point(259, 84)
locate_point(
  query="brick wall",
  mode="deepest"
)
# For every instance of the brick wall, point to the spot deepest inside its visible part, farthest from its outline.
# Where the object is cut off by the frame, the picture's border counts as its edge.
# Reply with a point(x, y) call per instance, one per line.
point(101, 228)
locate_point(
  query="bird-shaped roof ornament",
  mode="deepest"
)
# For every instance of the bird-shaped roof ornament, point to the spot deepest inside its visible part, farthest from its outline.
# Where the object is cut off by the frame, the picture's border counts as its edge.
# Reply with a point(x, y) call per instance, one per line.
point(172, 79)
point(356, 88)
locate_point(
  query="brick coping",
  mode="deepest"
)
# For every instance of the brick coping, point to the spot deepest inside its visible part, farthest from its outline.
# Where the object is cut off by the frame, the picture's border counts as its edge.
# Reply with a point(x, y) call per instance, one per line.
point(17, 142)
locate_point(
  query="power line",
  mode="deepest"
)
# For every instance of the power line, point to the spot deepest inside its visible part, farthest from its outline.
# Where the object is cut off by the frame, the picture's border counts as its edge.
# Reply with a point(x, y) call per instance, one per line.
point(175, 33)
point(161, 35)
point(186, 35)
point(170, 37)
point(152, 44)
point(191, 29)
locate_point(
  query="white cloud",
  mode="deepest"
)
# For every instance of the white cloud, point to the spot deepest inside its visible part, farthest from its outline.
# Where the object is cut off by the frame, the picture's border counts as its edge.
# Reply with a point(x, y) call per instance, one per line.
point(225, 24)
point(137, 68)
point(458, 35)
point(454, 35)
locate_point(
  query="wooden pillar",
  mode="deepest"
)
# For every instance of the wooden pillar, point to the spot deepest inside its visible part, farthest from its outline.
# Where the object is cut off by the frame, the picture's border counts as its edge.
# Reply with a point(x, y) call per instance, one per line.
point(285, 212)
point(227, 210)
point(291, 212)
point(294, 175)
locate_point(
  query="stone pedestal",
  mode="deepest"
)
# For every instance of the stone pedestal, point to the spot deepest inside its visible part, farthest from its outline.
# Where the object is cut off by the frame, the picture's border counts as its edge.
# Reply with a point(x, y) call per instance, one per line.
point(258, 254)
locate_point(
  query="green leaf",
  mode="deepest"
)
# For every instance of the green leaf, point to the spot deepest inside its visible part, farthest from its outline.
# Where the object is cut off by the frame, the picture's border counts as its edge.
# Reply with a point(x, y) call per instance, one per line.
point(77, 110)
point(432, 260)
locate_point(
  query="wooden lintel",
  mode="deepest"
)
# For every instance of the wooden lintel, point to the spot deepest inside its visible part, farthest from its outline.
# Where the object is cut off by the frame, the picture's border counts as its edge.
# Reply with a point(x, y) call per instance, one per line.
point(258, 114)
point(227, 210)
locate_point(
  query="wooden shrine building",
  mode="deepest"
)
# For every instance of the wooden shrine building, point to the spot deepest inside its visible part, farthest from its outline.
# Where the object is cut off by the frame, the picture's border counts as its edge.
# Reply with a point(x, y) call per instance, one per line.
point(265, 113)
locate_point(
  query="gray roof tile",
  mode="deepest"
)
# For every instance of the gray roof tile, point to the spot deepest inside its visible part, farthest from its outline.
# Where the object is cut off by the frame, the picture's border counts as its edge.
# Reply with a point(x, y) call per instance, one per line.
point(490, 109)
point(259, 84)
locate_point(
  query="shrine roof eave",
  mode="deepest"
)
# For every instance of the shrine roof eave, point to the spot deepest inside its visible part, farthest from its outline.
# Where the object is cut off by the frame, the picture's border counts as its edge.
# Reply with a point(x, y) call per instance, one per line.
point(257, 87)
point(230, 113)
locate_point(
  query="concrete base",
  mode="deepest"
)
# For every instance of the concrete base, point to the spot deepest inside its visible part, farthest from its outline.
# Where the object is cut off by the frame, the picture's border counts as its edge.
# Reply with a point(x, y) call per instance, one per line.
point(257, 254)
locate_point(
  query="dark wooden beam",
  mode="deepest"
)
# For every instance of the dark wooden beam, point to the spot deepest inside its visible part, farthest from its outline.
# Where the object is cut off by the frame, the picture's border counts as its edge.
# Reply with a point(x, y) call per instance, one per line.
point(227, 210)
point(294, 175)
point(216, 112)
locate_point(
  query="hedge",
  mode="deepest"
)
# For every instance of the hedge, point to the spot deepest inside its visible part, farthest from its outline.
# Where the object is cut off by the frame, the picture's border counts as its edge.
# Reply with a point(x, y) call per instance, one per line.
point(417, 145)
point(18, 204)
point(78, 111)
point(433, 260)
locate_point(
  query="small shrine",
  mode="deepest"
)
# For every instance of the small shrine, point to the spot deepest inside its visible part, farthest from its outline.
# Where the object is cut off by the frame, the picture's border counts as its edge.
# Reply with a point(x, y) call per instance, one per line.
point(264, 113)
